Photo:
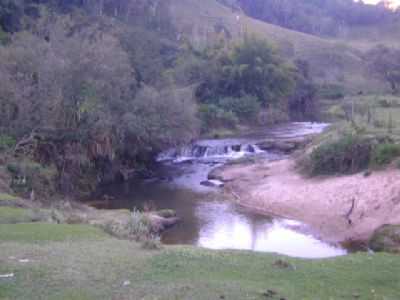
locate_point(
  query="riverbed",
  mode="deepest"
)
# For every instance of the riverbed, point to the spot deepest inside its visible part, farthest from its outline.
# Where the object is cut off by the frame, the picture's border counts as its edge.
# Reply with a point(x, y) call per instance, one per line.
point(210, 220)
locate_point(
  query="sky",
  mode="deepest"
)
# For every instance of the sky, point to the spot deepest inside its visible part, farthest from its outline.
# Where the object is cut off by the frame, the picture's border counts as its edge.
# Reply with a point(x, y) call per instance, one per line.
point(395, 3)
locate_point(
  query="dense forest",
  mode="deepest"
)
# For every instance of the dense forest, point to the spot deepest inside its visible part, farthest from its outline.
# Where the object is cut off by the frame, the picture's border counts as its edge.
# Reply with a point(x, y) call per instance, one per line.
point(95, 89)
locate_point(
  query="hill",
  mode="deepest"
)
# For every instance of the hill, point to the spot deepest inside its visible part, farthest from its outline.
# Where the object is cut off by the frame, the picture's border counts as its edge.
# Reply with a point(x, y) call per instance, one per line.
point(337, 61)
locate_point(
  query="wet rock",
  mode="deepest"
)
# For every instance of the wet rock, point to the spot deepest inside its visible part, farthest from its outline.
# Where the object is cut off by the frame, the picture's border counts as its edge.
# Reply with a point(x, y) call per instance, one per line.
point(236, 148)
point(286, 146)
point(386, 239)
point(212, 183)
point(281, 146)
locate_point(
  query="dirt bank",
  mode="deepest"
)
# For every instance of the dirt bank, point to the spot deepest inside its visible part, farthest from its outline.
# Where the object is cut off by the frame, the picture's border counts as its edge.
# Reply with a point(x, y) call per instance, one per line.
point(323, 203)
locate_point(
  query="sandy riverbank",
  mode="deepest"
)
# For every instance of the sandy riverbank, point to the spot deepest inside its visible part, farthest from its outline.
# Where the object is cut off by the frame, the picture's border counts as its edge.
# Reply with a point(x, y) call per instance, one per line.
point(322, 203)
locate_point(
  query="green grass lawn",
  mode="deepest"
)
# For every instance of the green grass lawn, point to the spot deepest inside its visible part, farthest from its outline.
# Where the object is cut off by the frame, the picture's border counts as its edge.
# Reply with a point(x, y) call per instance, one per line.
point(79, 262)
point(7, 197)
point(47, 232)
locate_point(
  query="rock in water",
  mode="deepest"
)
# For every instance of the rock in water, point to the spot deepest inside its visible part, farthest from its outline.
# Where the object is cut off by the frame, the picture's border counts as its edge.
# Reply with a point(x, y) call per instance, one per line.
point(212, 183)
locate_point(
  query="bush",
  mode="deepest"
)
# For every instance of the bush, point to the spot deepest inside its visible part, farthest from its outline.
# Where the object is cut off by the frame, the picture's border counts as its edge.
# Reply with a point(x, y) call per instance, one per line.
point(28, 175)
point(213, 116)
point(348, 154)
point(384, 154)
point(6, 142)
point(245, 108)
point(331, 91)
point(139, 227)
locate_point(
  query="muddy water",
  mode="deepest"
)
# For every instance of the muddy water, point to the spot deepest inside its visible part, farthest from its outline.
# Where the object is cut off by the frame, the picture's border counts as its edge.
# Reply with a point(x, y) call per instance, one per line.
point(210, 221)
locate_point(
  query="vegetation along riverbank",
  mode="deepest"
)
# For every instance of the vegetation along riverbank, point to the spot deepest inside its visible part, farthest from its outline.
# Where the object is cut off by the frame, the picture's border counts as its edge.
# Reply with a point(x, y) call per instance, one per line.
point(91, 92)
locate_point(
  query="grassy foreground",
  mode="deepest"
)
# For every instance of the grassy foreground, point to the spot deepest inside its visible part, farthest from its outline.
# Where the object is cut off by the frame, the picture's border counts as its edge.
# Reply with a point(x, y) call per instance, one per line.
point(80, 262)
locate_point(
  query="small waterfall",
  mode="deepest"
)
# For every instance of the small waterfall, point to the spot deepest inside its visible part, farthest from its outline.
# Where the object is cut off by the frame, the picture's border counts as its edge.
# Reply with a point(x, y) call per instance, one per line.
point(201, 151)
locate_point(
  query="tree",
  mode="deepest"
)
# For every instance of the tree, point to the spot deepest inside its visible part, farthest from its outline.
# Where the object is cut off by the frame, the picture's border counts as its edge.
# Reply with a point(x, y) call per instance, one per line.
point(250, 68)
point(67, 80)
point(385, 63)
point(302, 100)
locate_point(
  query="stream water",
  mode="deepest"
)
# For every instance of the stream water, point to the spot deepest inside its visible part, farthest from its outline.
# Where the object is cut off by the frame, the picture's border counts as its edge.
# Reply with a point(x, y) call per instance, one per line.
point(207, 219)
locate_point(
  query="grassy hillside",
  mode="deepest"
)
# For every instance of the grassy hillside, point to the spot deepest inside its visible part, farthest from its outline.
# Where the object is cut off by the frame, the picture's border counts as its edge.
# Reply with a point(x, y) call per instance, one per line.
point(77, 262)
point(332, 61)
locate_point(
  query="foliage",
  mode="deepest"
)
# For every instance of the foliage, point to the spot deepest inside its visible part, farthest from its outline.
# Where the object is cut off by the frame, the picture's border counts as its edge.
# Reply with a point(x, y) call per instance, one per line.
point(65, 75)
point(331, 91)
point(6, 142)
point(385, 62)
point(3, 36)
point(244, 108)
point(237, 83)
point(138, 225)
point(303, 99)
point(28, 176)
point(250, 68)
point(346, 154)
point(150, 53)
point(157, 119)
point(212, 116)
point(385, 153)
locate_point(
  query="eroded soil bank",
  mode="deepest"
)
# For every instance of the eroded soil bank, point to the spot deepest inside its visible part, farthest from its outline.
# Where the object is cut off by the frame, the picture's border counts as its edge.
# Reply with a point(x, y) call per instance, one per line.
point(324, 203)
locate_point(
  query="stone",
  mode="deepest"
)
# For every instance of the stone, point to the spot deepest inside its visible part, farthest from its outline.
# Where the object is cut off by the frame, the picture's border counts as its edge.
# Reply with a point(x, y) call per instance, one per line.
point(212, 183)
point(386, 239)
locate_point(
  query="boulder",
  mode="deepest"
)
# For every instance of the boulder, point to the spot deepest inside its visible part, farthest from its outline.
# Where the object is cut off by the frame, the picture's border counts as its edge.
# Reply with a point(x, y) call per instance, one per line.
point(386, 239)
point(266, 145)
point(281, 146)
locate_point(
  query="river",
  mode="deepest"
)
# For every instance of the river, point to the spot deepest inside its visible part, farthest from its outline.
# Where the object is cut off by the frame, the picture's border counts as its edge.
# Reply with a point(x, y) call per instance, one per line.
point(209, 220)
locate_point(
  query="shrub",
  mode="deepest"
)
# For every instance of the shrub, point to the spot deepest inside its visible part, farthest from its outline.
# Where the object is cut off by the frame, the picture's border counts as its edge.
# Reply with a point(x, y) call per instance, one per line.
point(348, 154)
point(245, 107)
point(139, 227)
point(385, 153)
point(6, 142)
point(28, 175)
point(213, 116)
point(384, 103)
point(336, 112)
point(331, 91)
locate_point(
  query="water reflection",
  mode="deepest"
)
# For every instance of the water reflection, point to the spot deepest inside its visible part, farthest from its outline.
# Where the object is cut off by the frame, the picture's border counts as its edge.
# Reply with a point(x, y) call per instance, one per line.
point(224, 227)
